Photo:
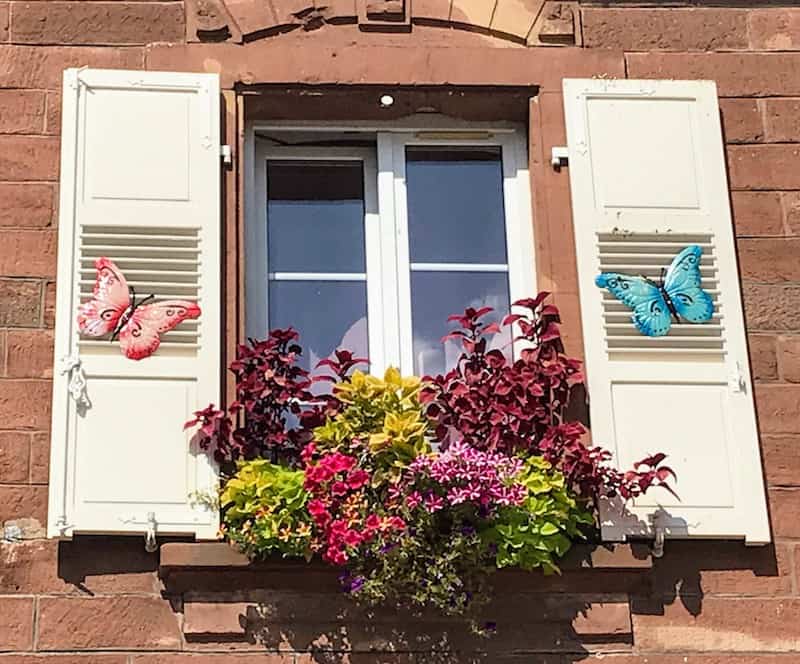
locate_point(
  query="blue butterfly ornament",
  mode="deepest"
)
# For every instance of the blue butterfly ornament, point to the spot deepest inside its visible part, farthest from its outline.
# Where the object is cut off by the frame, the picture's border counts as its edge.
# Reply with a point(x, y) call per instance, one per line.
point(675, 296)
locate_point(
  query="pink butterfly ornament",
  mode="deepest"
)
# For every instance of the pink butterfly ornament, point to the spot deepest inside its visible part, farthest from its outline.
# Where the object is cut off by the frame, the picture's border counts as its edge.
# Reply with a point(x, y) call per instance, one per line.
point(113, 310)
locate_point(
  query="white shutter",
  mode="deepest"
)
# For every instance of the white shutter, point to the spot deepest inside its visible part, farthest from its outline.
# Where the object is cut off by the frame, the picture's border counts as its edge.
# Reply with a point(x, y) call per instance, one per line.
point(647, 173)
point(140, 184)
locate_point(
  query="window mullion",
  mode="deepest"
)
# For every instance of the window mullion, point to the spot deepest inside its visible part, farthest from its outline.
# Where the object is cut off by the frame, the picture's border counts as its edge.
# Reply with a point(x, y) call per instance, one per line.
point(403, 271)
point(393, 271)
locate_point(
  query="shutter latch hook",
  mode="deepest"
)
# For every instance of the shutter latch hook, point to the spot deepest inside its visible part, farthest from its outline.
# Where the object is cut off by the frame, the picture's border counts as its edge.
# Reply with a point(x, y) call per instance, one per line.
point(71, 366)
point(150, 544)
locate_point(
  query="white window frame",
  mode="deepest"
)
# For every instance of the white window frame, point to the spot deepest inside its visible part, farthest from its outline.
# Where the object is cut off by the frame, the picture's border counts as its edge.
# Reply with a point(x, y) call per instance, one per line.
point(388, 266)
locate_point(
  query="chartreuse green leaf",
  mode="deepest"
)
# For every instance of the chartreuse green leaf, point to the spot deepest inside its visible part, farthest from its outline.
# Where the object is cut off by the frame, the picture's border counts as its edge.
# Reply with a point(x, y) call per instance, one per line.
point(541, 530)
point(264, 510)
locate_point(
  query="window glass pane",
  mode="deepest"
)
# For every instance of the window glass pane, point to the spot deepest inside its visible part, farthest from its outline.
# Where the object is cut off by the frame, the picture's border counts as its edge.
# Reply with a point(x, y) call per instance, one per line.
point(455, 205)
point(315, 216)
point(436, 295)
point(328, 315)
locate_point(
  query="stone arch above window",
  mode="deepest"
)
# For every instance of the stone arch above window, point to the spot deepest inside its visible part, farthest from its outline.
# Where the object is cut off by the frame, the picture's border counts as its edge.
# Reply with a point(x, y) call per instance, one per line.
point(530, 22)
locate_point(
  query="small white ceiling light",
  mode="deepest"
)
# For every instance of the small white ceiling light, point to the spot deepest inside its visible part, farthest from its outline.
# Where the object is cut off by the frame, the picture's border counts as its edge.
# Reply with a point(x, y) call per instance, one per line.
point(386, 101)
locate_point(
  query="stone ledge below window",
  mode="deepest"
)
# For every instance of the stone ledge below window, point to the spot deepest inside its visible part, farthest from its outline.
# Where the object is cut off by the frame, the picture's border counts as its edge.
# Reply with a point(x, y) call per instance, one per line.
point(229, 602)
point(202, 556)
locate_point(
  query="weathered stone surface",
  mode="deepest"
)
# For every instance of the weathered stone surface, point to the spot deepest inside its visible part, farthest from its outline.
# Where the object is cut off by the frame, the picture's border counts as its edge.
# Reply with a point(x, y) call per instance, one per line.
point(14, 457)
point(83, 658)
point(757, 213)
point(776, 29)
point(28, 157)
point(20, 501)
point(49, 313)
point(516, 17)
point(228, 658)
point(771, 307)
point(736, 74)
point(741, 121)
point(784, 506)
point(52, 120)
point(20, 303)
point(769, 260)
point(28, 253)
point(789, 358)
point(21, 111)
point(40, 457)
point(89, 23)
point(724, 624)
point(77, 623)
point(701, 568)
point(209, 20)
point(431, 10)
point(25, 404)
point(557, 25)
point(252, 16)
point(26, 204)
point(42, 67)
point(665, 29)
point(16, 623)
point(782, 119)
point(780, 459)
point(777, 408)
point(303, 61)
point(27, 527)
point(30, 354)
point(476, 13)
point(764, 166)
point(5, 8)
point(763, 356)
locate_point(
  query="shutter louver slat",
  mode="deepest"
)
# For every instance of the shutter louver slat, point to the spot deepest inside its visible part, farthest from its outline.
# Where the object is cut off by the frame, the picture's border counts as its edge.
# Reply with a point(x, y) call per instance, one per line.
point(647, 177)
point(140, 185)
point(647, 255)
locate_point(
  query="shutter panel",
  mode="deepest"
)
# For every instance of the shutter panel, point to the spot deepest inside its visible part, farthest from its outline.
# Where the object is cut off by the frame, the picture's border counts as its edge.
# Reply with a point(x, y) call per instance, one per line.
point(648, 178)
point(140, 184)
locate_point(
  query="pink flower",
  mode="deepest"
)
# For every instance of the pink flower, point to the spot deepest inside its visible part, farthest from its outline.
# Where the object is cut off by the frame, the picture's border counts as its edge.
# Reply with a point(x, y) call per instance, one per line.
point(352, 538)
point(357, 478)
point(434, 503)
point(340, 463)
point(373, 522)
point(413, 499)
point(339, 489)
point(317, 507)
point(308, 452)
point(393, 523)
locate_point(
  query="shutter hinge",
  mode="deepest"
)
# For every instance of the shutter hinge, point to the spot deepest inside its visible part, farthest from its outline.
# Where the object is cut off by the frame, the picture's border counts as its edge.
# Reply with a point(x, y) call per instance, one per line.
point(659, 533)
point(150, 543)
point(72, 367)
point(559, 157)
point(736, 379)
point(226, 154)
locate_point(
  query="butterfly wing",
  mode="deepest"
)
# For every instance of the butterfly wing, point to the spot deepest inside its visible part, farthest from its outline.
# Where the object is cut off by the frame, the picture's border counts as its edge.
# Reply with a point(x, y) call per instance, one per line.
point(140, 336)
point(682, 284)
point(110, 298)
point(650, 312)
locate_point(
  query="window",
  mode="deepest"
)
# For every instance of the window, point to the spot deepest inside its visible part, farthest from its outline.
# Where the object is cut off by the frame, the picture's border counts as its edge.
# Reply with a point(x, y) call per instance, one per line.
point(370, 248)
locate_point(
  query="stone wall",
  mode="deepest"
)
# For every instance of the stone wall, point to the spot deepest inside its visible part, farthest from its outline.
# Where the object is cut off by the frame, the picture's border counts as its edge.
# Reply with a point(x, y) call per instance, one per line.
point(105, 601)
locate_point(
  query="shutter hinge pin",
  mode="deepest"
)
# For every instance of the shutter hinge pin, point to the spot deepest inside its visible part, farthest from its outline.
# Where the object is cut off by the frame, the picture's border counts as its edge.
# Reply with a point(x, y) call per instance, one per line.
point(559, 157)
point(659, 534)
point(150, 543)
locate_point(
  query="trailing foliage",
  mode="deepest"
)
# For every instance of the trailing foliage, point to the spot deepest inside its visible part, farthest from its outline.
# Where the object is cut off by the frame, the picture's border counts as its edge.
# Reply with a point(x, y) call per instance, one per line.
point(271, 390)
point(543, 526)
point(520, 407)
point(266, 510)
point(417, 489)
